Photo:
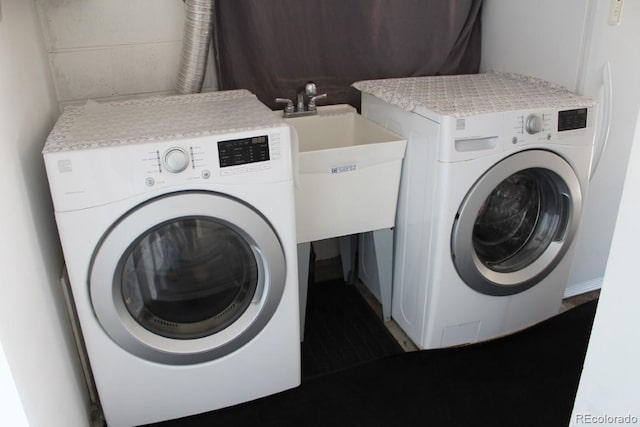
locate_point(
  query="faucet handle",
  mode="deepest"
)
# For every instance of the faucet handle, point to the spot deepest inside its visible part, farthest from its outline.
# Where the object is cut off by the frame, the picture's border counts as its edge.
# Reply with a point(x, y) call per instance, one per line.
point(312, 101)
point(289, 107)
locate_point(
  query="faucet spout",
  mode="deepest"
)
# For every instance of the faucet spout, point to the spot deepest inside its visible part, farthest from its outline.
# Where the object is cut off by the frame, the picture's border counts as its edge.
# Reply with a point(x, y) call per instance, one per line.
point(304, 96)
point(310, 89)
point(305, 101)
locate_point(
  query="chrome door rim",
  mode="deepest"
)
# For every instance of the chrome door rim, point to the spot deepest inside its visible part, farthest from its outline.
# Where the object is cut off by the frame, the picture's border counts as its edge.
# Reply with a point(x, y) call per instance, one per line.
point(470, 268)
point(106, 296)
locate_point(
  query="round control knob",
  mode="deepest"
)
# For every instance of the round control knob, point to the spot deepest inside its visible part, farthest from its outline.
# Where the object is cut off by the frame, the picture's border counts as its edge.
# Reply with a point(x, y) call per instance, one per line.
point(533, 124)
point(176, 160)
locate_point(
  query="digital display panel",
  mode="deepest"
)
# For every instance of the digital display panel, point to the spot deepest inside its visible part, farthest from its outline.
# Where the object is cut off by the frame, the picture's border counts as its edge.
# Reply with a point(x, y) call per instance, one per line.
point(243, 151)
point(572, 119)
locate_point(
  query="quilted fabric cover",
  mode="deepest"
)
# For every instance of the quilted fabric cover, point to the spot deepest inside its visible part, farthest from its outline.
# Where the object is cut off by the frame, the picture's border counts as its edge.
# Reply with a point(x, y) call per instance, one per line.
point(471, 94)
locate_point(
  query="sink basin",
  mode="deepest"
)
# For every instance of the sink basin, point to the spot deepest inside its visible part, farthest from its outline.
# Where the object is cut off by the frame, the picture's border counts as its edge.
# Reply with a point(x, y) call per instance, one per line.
point(349, 174)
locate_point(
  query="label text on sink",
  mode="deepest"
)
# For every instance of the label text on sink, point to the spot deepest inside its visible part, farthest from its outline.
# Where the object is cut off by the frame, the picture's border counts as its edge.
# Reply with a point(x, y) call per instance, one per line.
point(343, 168)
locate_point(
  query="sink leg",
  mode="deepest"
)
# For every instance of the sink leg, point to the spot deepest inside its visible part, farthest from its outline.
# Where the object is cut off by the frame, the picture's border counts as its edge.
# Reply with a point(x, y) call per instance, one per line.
point(304, 252)
point(383, 244)
point(348, 246)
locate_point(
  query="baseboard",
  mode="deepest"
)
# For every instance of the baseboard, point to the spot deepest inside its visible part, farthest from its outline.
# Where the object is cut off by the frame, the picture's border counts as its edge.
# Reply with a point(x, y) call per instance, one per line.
point(582, 287)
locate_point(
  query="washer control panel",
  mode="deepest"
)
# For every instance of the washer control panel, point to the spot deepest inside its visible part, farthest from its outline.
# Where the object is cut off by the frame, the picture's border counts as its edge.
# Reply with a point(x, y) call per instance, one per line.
point(483, 134)
point(572, 119)
point(548, 125)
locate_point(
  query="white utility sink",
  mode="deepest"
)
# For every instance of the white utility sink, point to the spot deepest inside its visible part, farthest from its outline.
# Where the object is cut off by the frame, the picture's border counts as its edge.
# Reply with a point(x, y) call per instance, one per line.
point(349, 174)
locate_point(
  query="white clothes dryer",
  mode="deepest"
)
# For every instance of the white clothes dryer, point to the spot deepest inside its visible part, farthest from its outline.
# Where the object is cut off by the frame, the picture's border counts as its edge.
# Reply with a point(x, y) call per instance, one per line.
point(492, 189)
point(176, 217)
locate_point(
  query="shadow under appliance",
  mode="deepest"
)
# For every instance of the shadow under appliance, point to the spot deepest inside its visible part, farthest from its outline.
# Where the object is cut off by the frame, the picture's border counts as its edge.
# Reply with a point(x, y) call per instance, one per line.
point(492, 189)
point(176, 217)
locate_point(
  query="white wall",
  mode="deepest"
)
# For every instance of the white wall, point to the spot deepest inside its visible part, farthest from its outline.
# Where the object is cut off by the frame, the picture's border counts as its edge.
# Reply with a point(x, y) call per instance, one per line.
point(618, 46)
point(10, 404)
point(520, 37)
point(611, 376)
point(103, 49)
point(34, 330)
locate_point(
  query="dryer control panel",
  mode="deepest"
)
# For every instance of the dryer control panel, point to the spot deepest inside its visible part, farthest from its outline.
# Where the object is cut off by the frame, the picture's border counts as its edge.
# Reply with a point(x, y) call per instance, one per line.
point(85, 178)
point(243, 151)
point(215, 156)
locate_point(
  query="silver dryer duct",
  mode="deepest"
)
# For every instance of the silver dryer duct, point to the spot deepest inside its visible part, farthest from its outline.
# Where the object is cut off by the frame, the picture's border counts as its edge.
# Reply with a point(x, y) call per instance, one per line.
point(198, 28)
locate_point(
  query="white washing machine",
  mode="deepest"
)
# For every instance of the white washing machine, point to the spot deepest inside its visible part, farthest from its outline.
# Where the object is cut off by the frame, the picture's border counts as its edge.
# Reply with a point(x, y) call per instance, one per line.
point(491, 193)
point(176, 217)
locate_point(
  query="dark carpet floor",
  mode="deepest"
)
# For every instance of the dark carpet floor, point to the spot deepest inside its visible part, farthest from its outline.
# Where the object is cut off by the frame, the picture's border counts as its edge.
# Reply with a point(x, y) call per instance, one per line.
point(526, 379)
point(341, 330)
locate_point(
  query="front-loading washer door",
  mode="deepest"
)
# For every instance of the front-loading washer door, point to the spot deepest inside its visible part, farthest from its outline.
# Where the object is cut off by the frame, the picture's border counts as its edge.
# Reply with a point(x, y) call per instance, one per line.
point(516, 223)
point(187, 277)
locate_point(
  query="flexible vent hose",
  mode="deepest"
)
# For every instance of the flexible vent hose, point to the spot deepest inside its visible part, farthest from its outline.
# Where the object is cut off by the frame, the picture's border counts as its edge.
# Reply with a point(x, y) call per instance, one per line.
point(198, 29)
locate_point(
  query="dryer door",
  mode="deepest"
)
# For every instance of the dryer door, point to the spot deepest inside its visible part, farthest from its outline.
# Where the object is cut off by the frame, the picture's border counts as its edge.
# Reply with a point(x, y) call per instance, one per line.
point(516, 223)
point(187, 277)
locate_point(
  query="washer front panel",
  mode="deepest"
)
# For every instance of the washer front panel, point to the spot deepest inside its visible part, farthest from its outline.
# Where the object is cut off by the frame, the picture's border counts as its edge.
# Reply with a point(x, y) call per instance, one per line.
point(516, 223)
point(187, 277)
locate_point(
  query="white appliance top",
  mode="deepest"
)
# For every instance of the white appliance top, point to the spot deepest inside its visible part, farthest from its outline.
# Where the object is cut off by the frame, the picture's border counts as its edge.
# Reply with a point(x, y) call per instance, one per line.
point(471, 94)
point(155, 119)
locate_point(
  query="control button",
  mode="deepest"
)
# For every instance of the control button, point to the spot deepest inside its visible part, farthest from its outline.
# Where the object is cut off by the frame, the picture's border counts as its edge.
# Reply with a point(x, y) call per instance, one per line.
point(176, 160)
point(257, 167)
point(206, 174)
point(149, 182)
point(533, 124)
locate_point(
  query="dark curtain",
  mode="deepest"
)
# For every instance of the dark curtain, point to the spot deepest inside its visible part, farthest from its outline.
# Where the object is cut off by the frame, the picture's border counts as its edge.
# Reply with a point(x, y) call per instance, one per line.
point(273, 47)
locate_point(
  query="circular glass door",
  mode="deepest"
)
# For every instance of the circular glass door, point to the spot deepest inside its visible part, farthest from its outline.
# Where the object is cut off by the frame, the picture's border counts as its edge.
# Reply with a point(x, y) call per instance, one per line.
point(187, 277)
point(516, 223)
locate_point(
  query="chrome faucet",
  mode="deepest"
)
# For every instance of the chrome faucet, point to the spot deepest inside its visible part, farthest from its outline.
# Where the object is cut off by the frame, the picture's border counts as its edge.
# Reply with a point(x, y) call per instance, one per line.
point(305, 102)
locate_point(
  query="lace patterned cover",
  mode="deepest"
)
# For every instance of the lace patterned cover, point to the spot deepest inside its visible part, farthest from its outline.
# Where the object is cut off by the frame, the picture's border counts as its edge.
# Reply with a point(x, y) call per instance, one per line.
point(96, 124)
point(470, 94)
